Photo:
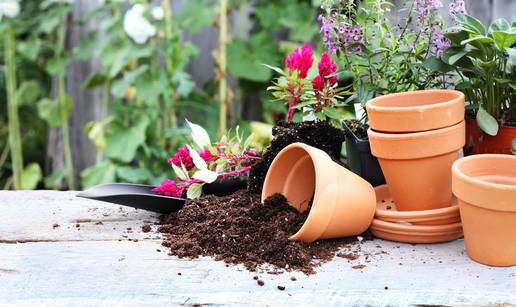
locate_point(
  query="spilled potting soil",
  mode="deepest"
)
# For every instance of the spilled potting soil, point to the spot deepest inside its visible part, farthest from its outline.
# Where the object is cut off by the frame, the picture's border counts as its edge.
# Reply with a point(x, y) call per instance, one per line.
point(238, 229)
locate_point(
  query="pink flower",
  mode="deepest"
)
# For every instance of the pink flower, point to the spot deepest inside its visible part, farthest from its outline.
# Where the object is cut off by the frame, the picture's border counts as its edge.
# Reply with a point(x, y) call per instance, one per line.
point(318, 83)
point(207, 156)
point(300, 60)
point(169, 188)
point(182, 155)
point(327, 67)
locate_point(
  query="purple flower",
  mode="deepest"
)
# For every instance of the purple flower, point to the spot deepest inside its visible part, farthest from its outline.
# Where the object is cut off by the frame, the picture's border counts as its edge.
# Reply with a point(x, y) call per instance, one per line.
point(456, 6)
point(423, 8)
point(352, 35)
point(441, 44)
point(330, 39)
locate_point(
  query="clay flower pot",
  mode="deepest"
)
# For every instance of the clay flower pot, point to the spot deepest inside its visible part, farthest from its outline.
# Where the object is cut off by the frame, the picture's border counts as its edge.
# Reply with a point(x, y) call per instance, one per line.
point(343, 203)
point(417, 166)
point(485, 186)
point(416, 111)
point(478, 142)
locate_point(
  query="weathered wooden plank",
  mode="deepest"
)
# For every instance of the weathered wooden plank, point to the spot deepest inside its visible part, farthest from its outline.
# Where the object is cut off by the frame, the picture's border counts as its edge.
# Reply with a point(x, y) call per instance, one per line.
point(129, 273)
point(30, 216)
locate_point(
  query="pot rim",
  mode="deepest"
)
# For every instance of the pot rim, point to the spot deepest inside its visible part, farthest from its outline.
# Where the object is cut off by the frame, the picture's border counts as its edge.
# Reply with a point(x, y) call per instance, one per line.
point(416, 145)
point(478, 182)
point(373, 103)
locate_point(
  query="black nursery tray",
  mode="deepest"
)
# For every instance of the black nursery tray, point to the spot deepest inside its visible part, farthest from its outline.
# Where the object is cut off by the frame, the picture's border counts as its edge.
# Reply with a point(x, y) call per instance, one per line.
point(134, 195)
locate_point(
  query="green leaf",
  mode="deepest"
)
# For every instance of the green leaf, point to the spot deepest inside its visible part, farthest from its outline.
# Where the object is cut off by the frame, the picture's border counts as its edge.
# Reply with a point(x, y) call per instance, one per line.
point(28, 92)
point(53, 181)
point(95, 80)
point(472, 23)
point(30, 176)
point(197, 160)
point(246, 58)
point(122, 141)
point(30, 48)
point(499, 25)
point(184, 82)
point(180, 172)
point(95, 132)
point(196, 15)
point(479, 39)
point(50, 110)
point(119, 87)
point(276, 69)
point(455, 57)
point(456, 37)
point(504, 39)
point(134, 174)
point(205, 175)
point(57, 66)
point(49, 23)
point(487, 122)
point(194, 191)
point(99, 174)
point(332, 113)
point(199, 135)
point(435, 64)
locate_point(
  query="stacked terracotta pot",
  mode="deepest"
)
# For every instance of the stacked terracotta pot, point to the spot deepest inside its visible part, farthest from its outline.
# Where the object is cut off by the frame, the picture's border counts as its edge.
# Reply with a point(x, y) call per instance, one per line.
point(416, 137)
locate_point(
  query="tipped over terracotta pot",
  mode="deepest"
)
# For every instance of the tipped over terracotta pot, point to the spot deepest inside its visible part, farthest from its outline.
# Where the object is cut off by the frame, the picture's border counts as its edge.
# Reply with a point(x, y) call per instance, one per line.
point(417, 166)
point(343, 203)
point(485, 186)
point(416, 111)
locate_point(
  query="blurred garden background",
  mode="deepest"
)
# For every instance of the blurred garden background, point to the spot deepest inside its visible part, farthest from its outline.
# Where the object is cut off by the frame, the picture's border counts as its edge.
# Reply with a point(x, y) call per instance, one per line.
point(103, 87)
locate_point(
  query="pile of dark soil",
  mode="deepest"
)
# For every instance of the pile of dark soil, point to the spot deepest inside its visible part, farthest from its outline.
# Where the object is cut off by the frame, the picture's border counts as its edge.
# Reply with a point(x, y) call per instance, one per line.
point(358, 128)
point(318, 134)
point(239, 229)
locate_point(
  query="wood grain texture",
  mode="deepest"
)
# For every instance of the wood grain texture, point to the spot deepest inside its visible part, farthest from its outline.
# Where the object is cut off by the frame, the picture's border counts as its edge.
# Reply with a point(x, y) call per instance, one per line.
point(90, 267)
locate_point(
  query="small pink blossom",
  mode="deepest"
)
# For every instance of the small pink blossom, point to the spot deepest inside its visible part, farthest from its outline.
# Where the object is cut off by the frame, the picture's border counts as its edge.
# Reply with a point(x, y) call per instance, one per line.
point(300, 60)
point(327, 67)
point(182, 155)
point(207, 156)
point(318, 83)
point(169, 188)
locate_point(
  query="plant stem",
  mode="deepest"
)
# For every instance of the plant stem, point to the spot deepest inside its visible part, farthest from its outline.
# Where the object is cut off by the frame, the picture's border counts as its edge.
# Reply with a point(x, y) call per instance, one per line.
point(63, 112)
point(12, 108)
point(168, 59)
point(223, 90)
point(104, 114)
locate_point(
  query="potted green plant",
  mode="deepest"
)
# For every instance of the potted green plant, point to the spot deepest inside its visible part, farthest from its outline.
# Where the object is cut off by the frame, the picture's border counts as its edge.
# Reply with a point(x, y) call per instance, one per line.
point(383, 58)
point(484, 60)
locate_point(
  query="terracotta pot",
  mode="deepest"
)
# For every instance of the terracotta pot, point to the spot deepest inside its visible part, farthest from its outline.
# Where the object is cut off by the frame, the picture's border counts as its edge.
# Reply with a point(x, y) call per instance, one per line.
point(417, 166)
point(416, 237)
point(343, 203)
point(416, 111)
point(485, 186)
point(478, 142)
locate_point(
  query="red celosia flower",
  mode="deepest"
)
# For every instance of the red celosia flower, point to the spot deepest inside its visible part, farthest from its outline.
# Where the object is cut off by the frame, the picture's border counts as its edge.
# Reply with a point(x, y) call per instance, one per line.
point(300, 60)
point(169, 188)
point(318, 83)
point(327, 67)
point(182, 155)
point(207, 156)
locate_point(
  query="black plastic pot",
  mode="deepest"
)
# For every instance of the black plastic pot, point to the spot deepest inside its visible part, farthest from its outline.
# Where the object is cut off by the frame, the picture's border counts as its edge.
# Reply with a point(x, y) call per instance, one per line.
point(360, 160)
point(224, 187)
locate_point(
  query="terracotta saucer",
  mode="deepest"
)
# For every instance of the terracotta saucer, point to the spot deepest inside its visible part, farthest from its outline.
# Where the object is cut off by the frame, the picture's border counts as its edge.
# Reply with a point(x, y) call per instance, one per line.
point(416, 238)
point(416, 233)
point(386, 211)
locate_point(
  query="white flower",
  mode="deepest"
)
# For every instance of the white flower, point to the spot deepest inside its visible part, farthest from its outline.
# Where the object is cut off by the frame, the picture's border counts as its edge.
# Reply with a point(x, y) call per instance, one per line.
point(9, 8)
point(157, 13)
point(136, 26)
